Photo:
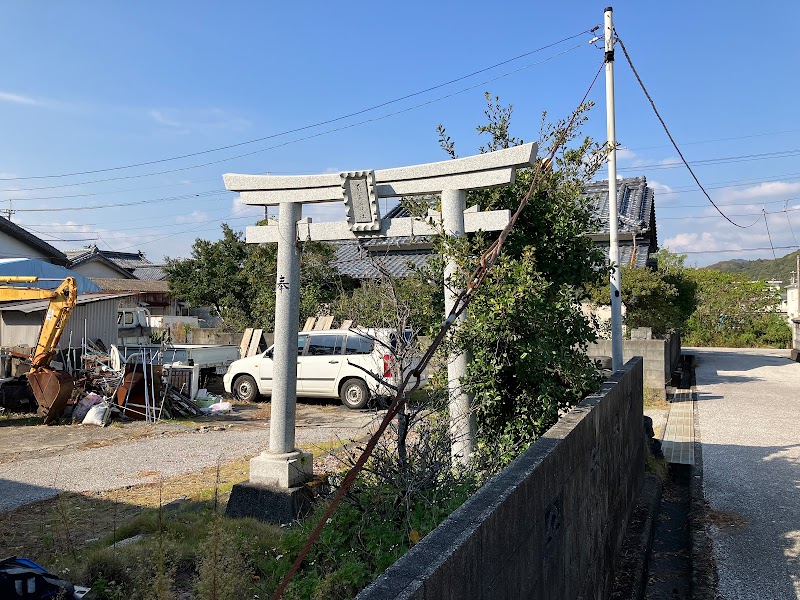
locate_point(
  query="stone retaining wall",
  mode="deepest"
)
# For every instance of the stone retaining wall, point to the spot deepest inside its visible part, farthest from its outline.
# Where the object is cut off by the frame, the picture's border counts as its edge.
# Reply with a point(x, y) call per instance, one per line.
point(548, 526)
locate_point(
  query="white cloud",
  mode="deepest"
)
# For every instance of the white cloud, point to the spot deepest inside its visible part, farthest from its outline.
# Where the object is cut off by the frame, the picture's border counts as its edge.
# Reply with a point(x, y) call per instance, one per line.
point(658, 187)
point(762, 190)
point(693, 242)
point(240, 209)
point(625, 154)
point(20, 99)
point(188, 121)
point(645, 162)
point(194, 217)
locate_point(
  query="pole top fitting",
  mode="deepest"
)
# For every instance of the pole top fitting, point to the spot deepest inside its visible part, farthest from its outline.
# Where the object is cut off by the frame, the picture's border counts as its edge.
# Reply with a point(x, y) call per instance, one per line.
point(609, 9)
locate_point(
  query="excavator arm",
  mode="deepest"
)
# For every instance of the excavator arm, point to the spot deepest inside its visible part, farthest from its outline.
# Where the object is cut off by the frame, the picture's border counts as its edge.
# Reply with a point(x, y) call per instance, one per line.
point(52, 389)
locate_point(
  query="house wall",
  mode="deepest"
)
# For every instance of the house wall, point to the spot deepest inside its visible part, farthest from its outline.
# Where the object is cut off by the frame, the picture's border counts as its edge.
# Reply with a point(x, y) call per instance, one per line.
point(98, 269)
point(99, 318)
point(13, 248)
point(550, 525)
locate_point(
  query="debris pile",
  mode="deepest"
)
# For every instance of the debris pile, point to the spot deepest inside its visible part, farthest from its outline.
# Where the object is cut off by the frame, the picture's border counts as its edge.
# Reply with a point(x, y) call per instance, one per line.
point(137, 387)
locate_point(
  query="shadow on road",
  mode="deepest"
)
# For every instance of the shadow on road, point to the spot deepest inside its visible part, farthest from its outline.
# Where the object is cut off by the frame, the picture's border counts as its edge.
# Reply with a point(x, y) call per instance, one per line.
point(754, 518)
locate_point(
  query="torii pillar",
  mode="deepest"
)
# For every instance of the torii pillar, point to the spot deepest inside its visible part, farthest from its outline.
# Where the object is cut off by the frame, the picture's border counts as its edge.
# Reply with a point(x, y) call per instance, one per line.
point(283, 464)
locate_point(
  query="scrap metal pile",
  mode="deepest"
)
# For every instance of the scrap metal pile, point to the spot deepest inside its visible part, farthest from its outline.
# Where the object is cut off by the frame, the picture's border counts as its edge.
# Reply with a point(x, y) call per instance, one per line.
point(137, 387)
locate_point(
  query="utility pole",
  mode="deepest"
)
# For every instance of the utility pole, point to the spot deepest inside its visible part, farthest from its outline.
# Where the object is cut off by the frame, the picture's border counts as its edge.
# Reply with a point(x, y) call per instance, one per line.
point(613, 217)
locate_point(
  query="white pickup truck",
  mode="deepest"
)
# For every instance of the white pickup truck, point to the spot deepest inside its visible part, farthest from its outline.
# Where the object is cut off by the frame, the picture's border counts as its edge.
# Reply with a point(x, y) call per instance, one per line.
point(212, 359)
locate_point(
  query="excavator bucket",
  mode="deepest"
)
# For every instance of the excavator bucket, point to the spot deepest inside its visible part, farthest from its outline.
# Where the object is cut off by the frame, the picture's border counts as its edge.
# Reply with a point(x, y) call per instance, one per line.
point(52, 390)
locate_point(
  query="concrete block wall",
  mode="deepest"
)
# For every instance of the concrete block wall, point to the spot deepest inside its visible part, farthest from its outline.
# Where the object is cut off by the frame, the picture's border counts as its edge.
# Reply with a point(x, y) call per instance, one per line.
point(660, 357)
point(551, 524)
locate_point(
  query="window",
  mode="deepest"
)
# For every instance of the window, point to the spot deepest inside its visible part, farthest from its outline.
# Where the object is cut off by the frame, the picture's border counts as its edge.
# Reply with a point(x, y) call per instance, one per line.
point(357, 344)
point(324, 345)
point(301, 344)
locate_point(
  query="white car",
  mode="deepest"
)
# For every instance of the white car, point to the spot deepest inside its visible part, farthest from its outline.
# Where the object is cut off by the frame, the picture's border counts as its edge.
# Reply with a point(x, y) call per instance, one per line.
point(335, 363)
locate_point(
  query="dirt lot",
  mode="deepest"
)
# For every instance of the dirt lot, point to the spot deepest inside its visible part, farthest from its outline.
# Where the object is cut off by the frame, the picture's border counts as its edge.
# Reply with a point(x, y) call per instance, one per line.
point(80, 482)
point(23, 437)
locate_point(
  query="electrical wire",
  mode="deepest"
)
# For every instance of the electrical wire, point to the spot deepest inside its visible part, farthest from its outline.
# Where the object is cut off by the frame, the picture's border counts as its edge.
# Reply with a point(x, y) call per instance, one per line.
point(723, 160)
point(121, 204)
point(759, 213)
point(733, 183)
point(671, 139)
point(674, 206)
point(726, 139)
point(305, 127)
point(788, 220)
point(727, 250)
point(769, 236)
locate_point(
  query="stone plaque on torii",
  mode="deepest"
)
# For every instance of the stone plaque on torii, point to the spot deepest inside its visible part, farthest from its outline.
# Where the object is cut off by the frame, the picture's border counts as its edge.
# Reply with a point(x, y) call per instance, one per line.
point(283, 465)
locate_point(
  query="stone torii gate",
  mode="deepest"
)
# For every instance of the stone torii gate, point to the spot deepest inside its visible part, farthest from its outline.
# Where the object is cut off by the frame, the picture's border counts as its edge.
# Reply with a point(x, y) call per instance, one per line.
point(283, 465)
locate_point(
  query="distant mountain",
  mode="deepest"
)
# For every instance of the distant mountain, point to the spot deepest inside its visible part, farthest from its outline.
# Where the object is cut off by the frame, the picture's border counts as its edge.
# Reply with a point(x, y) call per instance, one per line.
point(760, 269)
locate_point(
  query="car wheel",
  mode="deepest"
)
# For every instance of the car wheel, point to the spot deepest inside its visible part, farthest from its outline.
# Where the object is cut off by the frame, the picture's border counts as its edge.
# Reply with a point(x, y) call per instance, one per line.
point(354, 393)
point(244, 388)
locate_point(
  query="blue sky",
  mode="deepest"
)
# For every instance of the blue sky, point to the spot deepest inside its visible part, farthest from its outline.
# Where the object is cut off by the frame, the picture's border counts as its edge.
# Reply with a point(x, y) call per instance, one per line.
point(98, 85)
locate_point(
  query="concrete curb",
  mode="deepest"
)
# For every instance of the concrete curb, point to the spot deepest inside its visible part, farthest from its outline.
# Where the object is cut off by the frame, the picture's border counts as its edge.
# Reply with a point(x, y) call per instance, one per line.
point(631, 579)
point(704, 574)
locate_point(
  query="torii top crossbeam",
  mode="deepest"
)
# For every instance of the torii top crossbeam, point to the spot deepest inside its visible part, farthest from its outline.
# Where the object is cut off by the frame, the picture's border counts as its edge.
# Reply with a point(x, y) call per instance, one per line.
point(470, 173)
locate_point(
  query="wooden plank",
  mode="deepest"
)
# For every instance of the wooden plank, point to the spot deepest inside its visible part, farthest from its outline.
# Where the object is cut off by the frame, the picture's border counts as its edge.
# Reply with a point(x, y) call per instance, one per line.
point(252, 350)
point(309, 324)
point(323, 323)
point(346, 324)
point(245, 343)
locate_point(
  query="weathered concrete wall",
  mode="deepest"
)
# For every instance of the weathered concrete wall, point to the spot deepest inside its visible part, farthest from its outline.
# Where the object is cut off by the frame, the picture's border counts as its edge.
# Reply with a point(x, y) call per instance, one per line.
point(214, 336)
point(548, 526)
point(660, 357)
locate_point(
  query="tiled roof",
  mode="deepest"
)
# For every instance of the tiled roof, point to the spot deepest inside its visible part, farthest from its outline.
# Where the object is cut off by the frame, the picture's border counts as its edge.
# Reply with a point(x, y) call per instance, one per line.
point(635, 203)
point(636, 208)
point(361, 263)
point(399, 255)
point(26, 237)
point(130, 285)
point(134, 263)
point(150, 273)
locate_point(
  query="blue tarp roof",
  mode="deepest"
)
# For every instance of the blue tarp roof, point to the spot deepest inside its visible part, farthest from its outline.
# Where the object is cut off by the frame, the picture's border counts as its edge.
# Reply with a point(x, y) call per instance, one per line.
point(31, 267)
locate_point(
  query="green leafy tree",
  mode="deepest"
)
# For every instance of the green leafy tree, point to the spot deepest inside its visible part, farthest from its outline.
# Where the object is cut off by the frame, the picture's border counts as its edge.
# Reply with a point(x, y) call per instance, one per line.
point(733, 311)
point(214, 276)
point(525, 331)
point(238, 279)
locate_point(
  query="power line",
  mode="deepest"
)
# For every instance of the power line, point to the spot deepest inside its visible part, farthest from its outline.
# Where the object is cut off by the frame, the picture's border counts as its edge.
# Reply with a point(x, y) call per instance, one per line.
point(769, 236)
point(718, 161)
point(733, 183)
point(759, 213)
point(305, 127)
point(674, 206)
point(671, 139)
point(726, 250)
point(121, 204)
point(726, 139)
point(788, 220)
point(152, 187)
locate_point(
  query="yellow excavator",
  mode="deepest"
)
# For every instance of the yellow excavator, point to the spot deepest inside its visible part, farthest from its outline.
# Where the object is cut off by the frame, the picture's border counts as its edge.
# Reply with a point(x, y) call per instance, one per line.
point(52, 389)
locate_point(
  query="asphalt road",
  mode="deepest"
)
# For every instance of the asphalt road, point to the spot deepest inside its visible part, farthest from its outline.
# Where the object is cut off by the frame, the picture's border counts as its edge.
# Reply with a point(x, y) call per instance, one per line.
point(749, 424)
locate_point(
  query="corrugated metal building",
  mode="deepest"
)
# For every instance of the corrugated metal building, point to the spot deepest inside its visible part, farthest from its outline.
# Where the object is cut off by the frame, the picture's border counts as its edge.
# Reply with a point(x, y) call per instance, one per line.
point(95, 316)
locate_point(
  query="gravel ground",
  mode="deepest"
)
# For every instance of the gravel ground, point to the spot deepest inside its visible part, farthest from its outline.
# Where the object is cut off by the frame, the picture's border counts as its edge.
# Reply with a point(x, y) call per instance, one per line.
point(125, 463)
point(748, 405)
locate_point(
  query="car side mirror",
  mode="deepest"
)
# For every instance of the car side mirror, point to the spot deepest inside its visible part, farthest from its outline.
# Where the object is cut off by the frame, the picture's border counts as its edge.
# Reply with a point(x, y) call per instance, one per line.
point(268, 353)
